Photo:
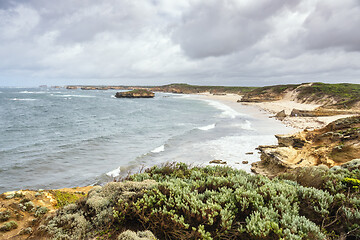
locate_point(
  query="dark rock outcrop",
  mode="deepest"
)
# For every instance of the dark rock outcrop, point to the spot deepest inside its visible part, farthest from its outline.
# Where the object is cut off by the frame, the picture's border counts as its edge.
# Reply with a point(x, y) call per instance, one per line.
point(217, 162)
point(137, 93)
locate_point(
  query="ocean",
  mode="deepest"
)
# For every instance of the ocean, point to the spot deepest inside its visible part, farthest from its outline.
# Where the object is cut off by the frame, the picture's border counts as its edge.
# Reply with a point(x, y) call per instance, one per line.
point(55, 138)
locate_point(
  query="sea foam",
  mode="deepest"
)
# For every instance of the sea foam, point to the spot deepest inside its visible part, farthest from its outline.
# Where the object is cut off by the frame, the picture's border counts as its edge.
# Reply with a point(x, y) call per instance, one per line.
point(208, 127)
point(114, 173)
point(159, 149)
point(227, 112)
point(23, 99)
point(30, 92)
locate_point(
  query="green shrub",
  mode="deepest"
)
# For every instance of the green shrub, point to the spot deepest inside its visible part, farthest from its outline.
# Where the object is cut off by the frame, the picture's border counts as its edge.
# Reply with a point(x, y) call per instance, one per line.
point(41, 211)
point(217, 202)
point(220, 202)
point(8, 226)
point(65, 198)
point(4, 216)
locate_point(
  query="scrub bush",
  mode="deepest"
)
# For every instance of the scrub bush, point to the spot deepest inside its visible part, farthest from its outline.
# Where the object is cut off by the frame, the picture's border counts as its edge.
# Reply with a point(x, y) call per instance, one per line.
point(218, 202)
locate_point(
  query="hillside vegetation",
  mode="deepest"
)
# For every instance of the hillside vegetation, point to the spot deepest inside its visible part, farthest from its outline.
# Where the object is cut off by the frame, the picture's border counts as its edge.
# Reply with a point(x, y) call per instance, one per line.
point(188, 89)
point(216, 203)
point(342, 95)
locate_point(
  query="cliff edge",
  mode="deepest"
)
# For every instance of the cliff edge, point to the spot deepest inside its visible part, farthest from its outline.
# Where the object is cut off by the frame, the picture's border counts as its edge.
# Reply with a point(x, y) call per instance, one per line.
point(333, 145)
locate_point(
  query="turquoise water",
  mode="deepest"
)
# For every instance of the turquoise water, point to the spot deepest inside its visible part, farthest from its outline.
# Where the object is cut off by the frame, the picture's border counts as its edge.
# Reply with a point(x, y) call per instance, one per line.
point(54, 138)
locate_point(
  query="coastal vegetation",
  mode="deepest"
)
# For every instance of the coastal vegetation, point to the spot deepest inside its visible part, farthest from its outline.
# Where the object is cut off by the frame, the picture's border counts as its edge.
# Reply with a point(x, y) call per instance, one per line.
point(340, 90)
point(338, 96)
point(186, 88)
point(64, 198)
point(345, 95)
point(177, 201)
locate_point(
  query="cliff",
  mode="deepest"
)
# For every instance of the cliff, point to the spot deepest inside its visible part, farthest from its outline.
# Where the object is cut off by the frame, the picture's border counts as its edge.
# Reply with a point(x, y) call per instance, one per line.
point(333, 145)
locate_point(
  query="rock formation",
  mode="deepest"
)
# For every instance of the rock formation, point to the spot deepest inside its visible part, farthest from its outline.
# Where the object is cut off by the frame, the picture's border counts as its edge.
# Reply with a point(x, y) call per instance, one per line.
point(71, 87)
point(217, 162)
point(94, 88)
point(281, 115)
point(320, 112)
point(137, 93)
point(333, 145)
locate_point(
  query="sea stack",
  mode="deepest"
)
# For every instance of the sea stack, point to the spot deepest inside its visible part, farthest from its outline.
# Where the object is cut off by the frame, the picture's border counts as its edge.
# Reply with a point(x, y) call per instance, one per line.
point(137, 93)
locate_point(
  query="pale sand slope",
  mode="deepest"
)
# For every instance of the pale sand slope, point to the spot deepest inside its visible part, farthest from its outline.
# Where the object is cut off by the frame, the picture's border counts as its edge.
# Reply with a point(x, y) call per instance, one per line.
point(286, 104)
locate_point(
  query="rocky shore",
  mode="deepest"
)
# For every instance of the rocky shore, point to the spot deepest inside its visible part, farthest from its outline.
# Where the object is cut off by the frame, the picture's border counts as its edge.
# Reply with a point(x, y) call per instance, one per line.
point(333, 145)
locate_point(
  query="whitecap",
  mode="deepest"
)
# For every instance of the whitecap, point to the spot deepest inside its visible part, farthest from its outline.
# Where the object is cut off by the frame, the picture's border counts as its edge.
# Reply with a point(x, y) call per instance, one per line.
point(208, 127)
point(159, 149)
point(23, 99)
point(246, 125)
point(114, 173)
point(81, 96)
point(31, 92)
point(227, 112)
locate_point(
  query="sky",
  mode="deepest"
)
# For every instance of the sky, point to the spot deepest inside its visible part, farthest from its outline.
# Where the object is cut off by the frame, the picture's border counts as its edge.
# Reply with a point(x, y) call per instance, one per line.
point(156, 42)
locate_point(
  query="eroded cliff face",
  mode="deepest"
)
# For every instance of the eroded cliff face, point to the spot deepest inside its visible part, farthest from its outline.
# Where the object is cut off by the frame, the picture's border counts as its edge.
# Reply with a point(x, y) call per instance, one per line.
point(333, 145)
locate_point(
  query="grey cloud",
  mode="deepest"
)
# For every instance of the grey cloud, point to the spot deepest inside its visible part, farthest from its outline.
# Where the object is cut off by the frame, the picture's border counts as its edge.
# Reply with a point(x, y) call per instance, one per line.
point(216, 28)
point(5, 4)
point(219, 42)
point(79, 21)
point(334, 24)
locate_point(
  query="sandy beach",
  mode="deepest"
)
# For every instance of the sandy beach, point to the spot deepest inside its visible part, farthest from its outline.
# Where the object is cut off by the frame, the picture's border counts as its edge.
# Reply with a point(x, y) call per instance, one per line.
point(269, 109)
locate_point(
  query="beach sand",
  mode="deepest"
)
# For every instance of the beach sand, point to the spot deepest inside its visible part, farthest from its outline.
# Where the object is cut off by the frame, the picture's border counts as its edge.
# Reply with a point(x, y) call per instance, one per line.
point(269, 109)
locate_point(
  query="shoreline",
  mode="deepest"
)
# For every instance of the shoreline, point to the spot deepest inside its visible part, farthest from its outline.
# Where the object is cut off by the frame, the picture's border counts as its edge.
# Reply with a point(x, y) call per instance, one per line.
point(263, 112)
point(270, 109)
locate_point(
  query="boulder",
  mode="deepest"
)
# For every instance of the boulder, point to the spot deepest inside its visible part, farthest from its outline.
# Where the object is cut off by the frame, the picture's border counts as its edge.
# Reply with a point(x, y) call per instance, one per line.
point(281, 115)
point(218, 162)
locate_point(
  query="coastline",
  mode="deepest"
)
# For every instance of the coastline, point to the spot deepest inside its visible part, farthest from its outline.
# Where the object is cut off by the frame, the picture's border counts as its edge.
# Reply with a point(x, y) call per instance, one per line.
point(269, 109)
point(262, 130)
